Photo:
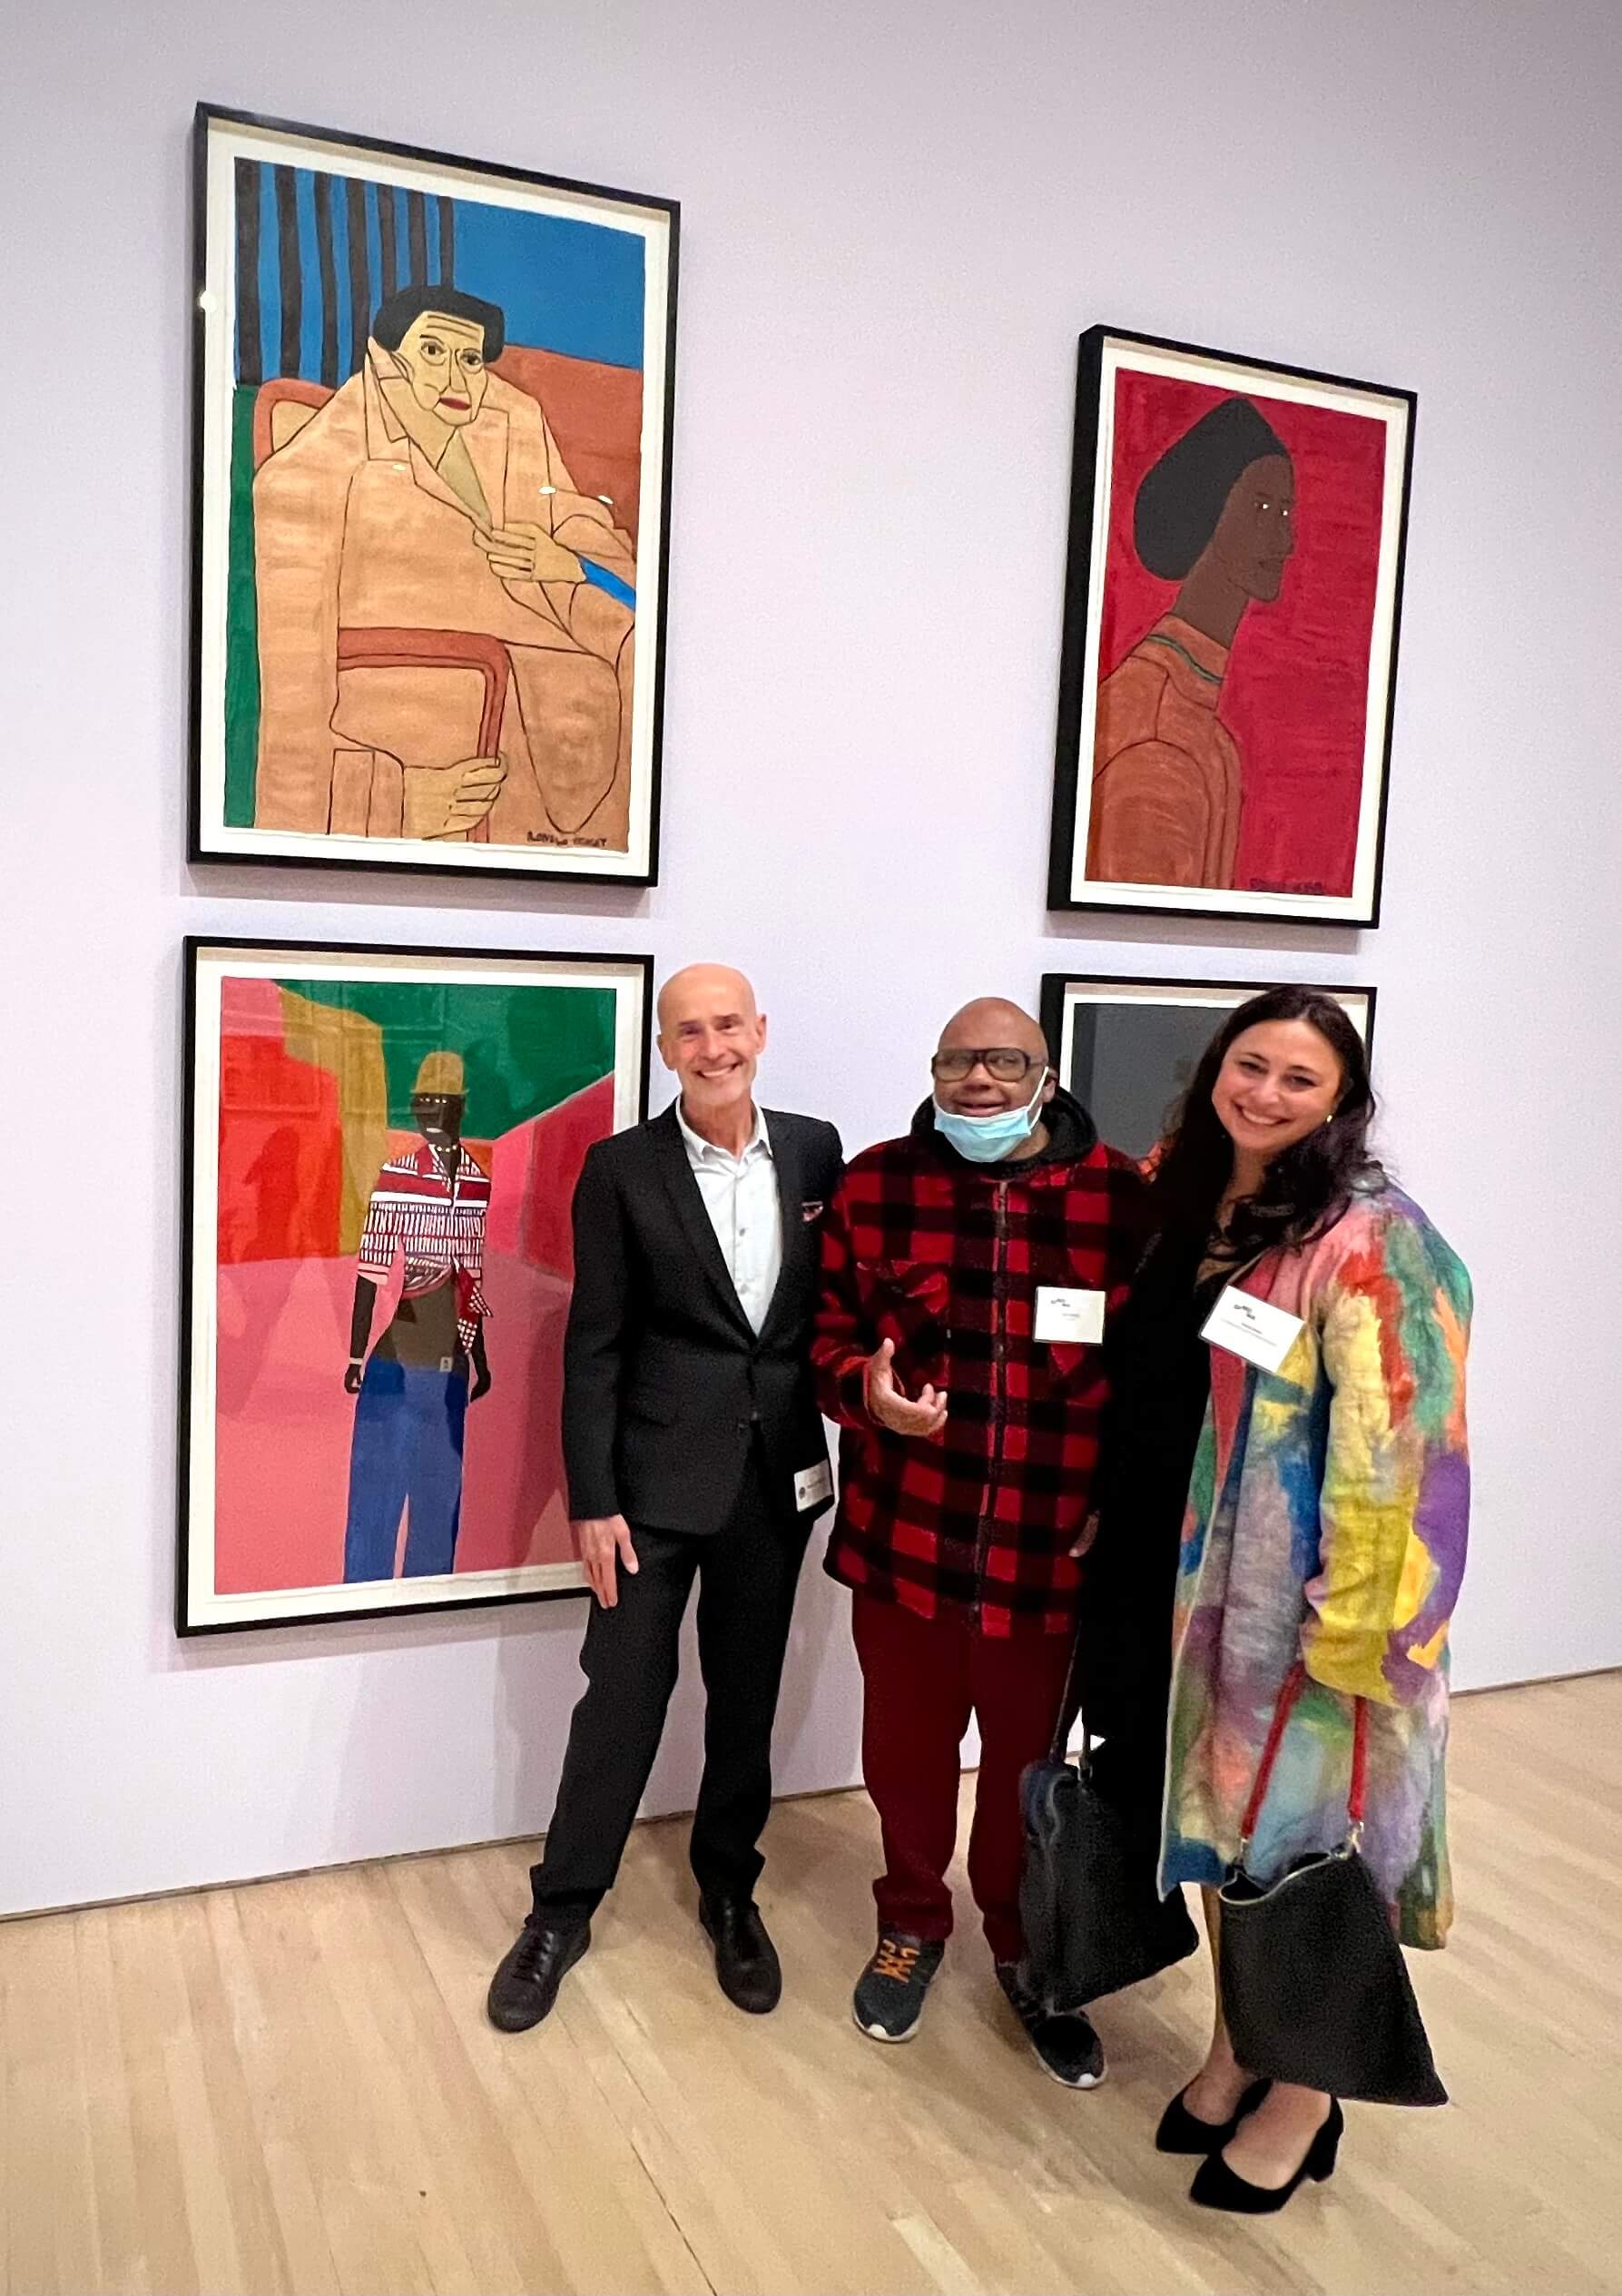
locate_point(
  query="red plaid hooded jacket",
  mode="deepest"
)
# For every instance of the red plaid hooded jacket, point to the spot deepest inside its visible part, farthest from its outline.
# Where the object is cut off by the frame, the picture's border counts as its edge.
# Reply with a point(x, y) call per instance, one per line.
point(944, 1257)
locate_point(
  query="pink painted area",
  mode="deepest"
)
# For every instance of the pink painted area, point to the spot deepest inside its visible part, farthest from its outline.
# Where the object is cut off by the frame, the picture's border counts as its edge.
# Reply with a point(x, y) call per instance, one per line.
point(533, 1177)
point(283, 1424)
point(514, 1510)
point(250, 1007)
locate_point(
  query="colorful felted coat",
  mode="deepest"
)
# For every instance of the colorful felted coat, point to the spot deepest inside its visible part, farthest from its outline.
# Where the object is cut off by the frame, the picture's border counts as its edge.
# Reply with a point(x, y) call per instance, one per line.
point(1326, 1521)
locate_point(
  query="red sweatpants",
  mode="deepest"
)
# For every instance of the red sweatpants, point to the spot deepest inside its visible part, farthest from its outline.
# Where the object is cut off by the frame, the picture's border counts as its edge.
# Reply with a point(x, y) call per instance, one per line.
point(922, 1679)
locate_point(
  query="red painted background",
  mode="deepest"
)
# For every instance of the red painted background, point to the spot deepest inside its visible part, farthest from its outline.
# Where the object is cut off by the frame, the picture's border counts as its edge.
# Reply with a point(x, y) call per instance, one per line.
point(1296, 692)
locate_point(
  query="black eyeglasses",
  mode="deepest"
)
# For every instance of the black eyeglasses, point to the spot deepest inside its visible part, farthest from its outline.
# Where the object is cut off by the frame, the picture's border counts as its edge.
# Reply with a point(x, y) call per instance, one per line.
point(1004, 1063)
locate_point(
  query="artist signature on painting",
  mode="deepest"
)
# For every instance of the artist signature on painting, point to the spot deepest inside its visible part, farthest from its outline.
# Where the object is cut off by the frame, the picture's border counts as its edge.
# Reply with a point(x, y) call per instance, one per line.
point(545, 837)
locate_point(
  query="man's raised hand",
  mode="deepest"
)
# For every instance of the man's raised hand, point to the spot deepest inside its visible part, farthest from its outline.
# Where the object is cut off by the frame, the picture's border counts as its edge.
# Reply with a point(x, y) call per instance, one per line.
point(888, 1408)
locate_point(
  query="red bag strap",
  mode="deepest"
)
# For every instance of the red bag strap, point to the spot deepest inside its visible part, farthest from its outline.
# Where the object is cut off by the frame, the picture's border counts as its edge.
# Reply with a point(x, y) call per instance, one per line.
point(1356, 1799)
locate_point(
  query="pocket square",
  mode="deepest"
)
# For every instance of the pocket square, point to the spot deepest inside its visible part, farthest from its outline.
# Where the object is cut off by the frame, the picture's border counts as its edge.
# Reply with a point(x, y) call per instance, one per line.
point(809, 1212)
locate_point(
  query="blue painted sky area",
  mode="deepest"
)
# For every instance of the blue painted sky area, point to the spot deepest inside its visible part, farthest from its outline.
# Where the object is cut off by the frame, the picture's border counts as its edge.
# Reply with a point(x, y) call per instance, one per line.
point(563, 285)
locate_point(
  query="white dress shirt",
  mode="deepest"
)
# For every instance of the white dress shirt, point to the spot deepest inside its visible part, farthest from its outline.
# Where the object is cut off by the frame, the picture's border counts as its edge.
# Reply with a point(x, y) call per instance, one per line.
point(741, 1196)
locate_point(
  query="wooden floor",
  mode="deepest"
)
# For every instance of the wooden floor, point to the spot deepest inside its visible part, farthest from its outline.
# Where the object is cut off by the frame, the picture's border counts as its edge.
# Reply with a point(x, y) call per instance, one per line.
point(292, 2086)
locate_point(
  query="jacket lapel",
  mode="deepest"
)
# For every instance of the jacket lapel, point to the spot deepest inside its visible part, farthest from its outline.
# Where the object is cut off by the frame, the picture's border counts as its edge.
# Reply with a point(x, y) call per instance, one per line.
point(486, 444)
point(689, 1205)
point(797, 1235)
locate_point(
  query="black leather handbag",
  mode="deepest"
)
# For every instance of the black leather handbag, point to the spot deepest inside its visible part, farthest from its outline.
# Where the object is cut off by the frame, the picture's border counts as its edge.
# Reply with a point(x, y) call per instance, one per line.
point(1314, 1987)
point(1089, 1900)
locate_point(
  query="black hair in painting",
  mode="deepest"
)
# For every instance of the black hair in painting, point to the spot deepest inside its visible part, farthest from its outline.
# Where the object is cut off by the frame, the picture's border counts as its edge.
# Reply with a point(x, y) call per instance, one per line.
point(1182, 496)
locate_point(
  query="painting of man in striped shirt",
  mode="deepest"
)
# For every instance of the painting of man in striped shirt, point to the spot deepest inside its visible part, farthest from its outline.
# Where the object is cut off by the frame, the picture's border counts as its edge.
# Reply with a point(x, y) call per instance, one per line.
point(382, 1150)
point(429, 1209)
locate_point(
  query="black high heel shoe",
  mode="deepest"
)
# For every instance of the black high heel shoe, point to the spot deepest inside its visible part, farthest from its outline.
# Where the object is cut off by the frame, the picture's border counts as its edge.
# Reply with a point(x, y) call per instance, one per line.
point(1216, 2186)
point(1180, 2131)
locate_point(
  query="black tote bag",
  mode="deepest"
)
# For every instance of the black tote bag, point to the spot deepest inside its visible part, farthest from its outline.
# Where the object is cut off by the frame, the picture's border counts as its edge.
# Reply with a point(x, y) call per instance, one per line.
point(1089, 1901)
point(1314, 1987)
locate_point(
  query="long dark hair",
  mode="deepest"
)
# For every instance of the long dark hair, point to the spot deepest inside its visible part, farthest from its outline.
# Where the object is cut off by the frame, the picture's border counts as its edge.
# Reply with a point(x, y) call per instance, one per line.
point(1305, 1189)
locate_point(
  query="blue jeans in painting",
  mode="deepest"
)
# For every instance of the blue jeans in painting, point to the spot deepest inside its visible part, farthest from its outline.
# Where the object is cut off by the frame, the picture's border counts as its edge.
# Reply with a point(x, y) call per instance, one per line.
point(406, 1453)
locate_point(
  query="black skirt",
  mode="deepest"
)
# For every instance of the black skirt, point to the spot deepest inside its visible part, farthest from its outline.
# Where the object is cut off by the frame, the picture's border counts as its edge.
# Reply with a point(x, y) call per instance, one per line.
point(1160, 1375)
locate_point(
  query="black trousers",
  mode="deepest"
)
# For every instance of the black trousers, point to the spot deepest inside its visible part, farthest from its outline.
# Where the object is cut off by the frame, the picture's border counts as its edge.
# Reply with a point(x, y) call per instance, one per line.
point(747, 1572)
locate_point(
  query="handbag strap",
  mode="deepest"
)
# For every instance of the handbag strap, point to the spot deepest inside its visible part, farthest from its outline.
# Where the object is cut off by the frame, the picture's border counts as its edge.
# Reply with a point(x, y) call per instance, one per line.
point(1356, 1799)
point(1058, 1751)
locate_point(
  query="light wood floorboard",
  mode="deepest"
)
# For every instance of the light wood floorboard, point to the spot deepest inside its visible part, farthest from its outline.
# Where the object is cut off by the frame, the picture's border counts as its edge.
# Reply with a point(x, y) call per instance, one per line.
point(291, 2086)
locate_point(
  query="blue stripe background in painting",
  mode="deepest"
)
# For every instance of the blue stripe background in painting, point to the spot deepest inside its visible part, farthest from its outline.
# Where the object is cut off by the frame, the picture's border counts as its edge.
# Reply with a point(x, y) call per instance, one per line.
point(340, 273)
point(563, 285)
point(310, 310)
point(269, 278)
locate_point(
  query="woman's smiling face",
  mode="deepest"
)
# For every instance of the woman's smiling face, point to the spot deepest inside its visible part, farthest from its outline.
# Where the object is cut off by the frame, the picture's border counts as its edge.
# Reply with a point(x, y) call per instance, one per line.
point(1278, 1081)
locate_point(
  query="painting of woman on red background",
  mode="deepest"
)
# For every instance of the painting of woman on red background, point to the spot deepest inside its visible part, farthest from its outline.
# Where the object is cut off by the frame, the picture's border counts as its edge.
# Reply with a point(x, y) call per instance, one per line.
point(1231, 632)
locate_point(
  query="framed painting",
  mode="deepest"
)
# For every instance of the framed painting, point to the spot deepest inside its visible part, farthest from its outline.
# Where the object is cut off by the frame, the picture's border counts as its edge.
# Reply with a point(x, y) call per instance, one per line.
point(381, 1147)
point(430, 521)
point(1232, 605)
point(1128, 1047)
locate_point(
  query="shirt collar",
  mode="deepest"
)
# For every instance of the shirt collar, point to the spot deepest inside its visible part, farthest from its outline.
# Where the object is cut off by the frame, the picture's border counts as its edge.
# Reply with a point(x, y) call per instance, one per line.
point(703, 1151)
point(434, 1165)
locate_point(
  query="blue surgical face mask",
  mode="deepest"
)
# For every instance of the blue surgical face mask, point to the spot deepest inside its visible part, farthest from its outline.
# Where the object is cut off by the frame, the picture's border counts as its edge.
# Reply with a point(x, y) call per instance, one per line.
point(987, 1139)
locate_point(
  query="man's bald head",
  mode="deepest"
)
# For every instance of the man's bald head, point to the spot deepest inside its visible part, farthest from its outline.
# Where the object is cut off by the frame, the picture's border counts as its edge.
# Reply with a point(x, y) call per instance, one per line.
point(711, 1035)
point(699, 988)
point(994, 1020)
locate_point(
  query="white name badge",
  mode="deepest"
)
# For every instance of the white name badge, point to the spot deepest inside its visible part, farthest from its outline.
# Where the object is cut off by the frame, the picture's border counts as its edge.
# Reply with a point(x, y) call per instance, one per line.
point(813, 1485)
point(1071, 1317)
point(1253, 1328)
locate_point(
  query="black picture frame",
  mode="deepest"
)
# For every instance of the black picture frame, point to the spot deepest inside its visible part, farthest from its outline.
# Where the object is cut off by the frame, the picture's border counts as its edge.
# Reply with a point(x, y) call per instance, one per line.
point(1069, 889)
point(203, 846)
point(1202, 991)
point(187, 1626)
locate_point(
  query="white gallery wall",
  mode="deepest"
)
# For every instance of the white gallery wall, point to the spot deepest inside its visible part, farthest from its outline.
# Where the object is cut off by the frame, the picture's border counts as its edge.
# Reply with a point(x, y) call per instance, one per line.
point(895, 219)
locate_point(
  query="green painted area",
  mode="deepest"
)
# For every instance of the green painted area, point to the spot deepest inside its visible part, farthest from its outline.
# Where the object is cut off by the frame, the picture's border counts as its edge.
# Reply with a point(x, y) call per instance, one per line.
point(525, 1049)
point(242, 623)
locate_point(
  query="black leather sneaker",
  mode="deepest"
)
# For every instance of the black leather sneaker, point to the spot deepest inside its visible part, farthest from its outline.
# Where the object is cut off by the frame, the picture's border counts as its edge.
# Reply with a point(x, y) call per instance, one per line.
point(540, 1958)
point(1065, 2048)
point(890, 1994)
point(746, 1966)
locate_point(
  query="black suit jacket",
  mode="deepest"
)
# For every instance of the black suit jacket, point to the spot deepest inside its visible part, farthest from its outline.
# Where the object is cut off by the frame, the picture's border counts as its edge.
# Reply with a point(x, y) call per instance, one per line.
point(664, 1380)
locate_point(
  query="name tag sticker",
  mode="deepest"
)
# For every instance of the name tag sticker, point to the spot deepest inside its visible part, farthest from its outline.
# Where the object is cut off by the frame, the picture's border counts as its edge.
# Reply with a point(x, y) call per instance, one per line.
point(813, 1485)
point(1073, 1318)
point(1252, 1328)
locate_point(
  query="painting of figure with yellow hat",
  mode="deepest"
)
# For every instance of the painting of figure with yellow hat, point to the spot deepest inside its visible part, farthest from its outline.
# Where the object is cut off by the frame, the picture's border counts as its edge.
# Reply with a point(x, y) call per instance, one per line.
point(427, 1209)
point(385, 1147)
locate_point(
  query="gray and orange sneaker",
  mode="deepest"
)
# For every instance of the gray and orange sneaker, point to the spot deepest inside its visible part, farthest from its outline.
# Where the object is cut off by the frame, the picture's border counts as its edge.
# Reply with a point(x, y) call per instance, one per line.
point(890, 1994)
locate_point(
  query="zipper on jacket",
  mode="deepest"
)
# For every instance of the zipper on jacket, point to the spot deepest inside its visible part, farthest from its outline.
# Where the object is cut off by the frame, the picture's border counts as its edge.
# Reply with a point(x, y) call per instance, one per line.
point(1000, 1381)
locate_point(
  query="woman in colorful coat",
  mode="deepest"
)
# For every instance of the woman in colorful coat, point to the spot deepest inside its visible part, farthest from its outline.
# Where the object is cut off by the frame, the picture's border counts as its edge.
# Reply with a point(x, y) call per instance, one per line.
point(1322, 1511)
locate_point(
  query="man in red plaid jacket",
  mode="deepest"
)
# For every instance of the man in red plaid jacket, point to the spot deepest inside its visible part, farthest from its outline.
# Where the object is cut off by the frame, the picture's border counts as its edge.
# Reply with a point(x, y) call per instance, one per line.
point(967, 1273)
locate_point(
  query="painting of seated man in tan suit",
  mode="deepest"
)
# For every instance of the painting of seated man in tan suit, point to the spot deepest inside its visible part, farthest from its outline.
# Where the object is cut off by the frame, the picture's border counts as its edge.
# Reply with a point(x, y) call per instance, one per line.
point(434, 439)
point(427, 498)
